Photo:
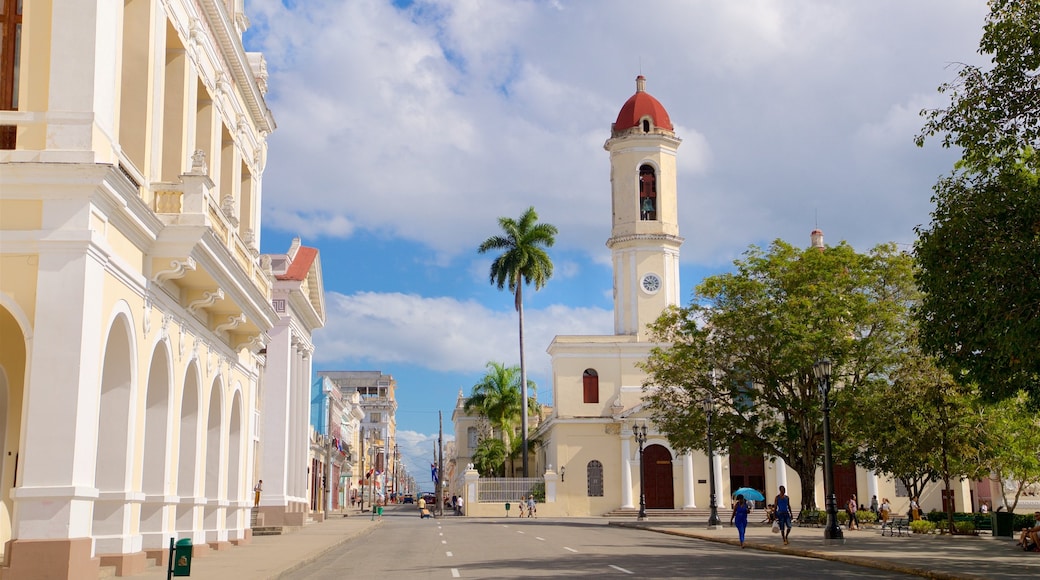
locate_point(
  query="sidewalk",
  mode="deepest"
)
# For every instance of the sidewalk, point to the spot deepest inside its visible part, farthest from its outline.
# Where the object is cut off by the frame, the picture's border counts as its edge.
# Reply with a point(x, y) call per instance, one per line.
point(930, 556)
point(272, 556)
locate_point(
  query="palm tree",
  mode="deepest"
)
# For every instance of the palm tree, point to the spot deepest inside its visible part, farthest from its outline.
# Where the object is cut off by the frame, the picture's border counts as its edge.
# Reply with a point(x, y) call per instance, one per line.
point(498, 397)
point(524, 261)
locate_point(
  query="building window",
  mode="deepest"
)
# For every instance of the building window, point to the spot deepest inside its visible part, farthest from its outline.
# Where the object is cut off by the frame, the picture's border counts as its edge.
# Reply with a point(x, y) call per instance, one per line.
point(10, 55)
point(647, 193)
point(471, 437)
point(590, 386)
point(595, 476)
point(377, 418)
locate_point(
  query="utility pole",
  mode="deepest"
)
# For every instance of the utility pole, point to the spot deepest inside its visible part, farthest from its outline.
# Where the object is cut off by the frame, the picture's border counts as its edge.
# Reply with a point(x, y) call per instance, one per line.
point(328, 457)
point(361, 481)
point(440, 463)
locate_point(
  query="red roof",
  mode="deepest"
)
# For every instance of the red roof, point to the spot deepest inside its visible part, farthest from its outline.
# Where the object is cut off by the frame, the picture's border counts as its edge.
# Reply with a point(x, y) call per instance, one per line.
point(301, 264)
point(640, 105)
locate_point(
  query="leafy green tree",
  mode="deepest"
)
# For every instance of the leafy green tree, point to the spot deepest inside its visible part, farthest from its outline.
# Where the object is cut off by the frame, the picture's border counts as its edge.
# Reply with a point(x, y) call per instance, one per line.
point(489, 458)
point(524, 260)
point(1013, 446)
point(978, 256)
point(750, 339)
point(994, 113)
point(498, 398)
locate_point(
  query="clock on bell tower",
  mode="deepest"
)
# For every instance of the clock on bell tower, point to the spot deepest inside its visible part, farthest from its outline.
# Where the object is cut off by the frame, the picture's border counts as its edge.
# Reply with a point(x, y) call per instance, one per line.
point(644, 238)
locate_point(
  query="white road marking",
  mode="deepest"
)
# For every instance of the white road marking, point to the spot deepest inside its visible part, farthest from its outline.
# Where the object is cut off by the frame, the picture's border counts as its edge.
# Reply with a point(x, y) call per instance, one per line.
point(449, 554)
point(444, 541)
point(455, 573)
point(571, 549)
point(519, 531)
point(537, 538)
point(621, 569)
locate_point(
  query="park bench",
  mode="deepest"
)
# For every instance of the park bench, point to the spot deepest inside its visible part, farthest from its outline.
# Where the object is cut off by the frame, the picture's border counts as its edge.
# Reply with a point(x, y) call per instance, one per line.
point(808, 518)
point(896, 526)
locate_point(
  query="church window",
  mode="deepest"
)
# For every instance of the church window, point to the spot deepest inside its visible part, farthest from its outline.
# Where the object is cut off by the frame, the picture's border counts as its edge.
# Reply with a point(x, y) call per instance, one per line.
point(471, 437)
point(595, 476)
point(647, 193)
point(646, 125)
point(590, 385)
point(10, 54)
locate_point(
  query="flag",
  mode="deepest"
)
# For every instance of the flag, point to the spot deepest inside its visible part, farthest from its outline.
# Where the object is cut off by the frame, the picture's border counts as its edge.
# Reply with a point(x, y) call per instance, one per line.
point(433, 473)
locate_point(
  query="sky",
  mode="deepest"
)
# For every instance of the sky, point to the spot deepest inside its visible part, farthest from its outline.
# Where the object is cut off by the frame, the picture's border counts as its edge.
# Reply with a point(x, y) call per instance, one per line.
point(407, 128)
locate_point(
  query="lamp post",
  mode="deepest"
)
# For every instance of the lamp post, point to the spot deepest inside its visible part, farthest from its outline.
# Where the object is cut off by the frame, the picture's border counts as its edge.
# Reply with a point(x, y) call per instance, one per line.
point(713, 518)
point(831, 533)
point(640, 433)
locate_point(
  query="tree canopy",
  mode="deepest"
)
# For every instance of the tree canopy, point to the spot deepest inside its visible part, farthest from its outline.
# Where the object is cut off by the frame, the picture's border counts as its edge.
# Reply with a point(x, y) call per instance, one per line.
point(978, 257)
point(498, 397)
point(750, 339)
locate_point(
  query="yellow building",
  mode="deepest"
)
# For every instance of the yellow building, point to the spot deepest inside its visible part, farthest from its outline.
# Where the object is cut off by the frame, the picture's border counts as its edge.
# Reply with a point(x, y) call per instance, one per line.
point(133, 304)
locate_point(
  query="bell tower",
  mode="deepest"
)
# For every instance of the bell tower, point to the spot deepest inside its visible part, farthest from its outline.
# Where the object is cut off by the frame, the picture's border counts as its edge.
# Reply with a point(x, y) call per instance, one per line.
point(644, 236)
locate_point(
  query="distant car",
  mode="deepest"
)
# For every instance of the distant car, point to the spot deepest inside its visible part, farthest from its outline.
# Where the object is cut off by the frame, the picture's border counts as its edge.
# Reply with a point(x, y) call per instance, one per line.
point(408, 499)
point(430, 499)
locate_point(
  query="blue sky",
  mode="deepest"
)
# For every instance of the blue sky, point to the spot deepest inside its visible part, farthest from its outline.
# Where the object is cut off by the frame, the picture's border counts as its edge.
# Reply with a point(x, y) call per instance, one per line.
point(405, 129)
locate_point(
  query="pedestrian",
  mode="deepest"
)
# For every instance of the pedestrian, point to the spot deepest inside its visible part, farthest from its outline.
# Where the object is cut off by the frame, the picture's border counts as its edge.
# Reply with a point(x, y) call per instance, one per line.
point(256, 492)
point(531, 509)
point(984, 508)
point(915, 509)
point(422, 506)
point(874, 504)
point(886, 508)
point(850, 509)
point(455, 504)
point(783, 513)
point(739, 517)
point(458, 506)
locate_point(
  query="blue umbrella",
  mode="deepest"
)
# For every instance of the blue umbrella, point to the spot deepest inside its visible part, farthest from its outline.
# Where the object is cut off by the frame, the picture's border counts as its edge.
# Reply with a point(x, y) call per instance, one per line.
point(750, 494)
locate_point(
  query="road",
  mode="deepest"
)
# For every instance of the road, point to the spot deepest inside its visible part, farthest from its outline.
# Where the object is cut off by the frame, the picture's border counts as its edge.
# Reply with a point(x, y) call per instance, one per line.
point(408, 547)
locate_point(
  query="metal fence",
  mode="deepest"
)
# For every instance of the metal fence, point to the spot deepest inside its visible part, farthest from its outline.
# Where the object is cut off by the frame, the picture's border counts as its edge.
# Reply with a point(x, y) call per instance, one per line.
point(509, 489)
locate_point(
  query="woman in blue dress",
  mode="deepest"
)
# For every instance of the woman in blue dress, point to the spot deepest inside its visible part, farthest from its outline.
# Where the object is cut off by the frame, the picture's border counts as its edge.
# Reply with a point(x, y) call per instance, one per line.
point(739, 517)
point(783, 513)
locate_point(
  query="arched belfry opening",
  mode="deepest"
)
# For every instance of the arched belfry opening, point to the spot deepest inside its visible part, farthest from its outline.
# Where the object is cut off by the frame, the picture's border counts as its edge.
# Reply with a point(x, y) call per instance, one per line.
point(646, 125)
point(647, 193)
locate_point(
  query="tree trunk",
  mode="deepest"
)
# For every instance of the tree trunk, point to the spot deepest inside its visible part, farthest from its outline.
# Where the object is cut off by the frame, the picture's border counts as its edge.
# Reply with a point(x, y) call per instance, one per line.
point(523, 376)
point(807, 478)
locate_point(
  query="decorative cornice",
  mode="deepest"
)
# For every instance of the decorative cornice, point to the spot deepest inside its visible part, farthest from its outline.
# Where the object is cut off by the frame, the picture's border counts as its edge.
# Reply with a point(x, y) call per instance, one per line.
point(677, 240)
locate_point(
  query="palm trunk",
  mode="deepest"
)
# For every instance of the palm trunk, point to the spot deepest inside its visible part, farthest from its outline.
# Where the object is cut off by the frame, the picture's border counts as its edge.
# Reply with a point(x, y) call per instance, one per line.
point(523, 378)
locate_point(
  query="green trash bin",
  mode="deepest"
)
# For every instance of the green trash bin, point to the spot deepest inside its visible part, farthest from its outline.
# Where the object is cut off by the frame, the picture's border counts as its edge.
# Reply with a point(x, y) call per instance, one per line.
point(182, 558)
point(1003, 524)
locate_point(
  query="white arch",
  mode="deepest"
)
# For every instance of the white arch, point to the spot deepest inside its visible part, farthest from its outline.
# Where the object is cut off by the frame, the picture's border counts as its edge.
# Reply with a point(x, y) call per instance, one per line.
point(112, 526)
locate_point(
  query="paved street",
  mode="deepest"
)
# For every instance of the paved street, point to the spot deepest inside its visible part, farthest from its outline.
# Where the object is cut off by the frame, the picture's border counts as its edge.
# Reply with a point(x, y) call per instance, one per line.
point(403, 546)
point(406, 547)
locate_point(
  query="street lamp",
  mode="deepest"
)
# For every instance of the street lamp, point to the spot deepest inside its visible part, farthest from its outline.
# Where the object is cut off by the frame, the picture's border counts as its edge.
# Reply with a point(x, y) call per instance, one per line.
point(831, 533)
point(563, 472)
point(713, 519)
point(640, 433)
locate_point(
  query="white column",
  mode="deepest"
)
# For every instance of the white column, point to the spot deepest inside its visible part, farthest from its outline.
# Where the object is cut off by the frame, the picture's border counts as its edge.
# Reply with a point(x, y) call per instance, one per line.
point(871, 487)
point(56, 484)
point(720, 492)
point(626, 468)
point(781, 472)
point(687, 468)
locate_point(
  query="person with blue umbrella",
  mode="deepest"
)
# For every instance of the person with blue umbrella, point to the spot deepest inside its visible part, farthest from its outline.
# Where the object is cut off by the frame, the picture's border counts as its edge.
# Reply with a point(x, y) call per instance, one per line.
point(739, 517)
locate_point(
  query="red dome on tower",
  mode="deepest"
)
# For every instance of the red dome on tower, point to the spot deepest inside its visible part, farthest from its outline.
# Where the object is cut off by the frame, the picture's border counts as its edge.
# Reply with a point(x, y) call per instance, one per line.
point(641, 105)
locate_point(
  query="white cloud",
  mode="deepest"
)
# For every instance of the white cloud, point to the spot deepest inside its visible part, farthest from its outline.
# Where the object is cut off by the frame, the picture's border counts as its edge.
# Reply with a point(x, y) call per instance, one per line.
point(444, 334)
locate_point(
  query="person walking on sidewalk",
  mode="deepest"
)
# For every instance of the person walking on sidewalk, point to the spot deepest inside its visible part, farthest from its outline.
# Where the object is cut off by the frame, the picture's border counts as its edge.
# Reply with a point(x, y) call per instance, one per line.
point(739, 517)
point(256, 492)
point(851, 510)
point(783, 513)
